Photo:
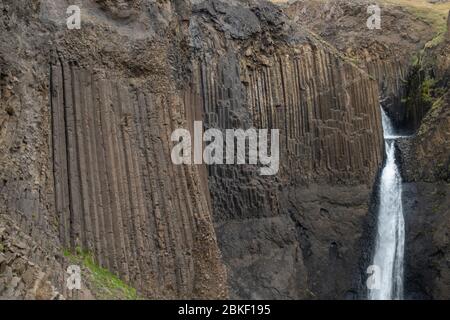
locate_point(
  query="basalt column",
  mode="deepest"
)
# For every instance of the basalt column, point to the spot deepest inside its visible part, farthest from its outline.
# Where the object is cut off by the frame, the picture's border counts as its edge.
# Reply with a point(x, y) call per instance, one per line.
point(296, 234)
point(117, 193)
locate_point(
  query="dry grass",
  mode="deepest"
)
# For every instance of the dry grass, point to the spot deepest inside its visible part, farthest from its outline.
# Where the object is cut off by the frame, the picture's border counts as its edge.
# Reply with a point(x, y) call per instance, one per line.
point(435, 14)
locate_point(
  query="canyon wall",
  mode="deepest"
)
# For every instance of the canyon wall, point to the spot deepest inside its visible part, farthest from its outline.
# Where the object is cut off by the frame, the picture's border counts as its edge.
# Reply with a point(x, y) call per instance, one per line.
point(425, 159)
point(409, 58)
point(86, 118)
point(387, 54)
point(86, 124)
point(30, 255)
point(298, 234)
point(116, 192)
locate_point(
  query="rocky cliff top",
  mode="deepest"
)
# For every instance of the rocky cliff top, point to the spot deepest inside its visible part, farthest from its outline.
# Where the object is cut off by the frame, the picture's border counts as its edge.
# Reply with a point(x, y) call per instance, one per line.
point(343, 23)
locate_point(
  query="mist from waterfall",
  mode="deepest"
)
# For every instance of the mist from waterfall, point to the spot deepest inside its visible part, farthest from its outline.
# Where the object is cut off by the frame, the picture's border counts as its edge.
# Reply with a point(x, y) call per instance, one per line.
point(390, 240)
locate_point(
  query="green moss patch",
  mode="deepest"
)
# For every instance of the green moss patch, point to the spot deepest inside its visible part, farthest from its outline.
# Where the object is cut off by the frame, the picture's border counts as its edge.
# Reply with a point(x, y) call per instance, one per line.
point(106, 284)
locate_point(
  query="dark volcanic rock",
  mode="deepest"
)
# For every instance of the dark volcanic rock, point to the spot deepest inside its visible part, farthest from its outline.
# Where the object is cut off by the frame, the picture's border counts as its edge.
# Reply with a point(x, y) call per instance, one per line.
point(86, 121)
point(425, 162)
point(298, 234)
point(427, 254)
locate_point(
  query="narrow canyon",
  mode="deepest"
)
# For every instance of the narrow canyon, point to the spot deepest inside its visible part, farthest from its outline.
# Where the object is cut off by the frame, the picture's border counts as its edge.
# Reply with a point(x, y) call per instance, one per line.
point(86, 178)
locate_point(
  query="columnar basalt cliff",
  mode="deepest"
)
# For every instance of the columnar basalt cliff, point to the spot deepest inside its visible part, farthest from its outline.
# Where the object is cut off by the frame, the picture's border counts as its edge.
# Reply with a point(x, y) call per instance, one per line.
point(115, 187)
point(298, 234)
point(409, 57)
point(86, 148)
point(386, 53)
point(86, 120)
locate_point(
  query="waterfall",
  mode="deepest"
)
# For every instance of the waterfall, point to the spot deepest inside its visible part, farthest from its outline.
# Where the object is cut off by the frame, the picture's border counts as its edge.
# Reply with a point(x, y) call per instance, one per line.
point(390, 239)
point(388, 128)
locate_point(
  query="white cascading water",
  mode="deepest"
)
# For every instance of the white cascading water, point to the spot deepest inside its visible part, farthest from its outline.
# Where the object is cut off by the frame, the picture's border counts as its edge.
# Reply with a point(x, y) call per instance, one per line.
point(390, 242)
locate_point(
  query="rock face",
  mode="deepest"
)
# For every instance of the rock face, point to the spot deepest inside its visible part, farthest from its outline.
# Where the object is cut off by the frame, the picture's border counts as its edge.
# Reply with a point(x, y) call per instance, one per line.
point(414, 90)
point(296, 235)
point(425, 162)
point(86, 121)
point(115, 187)
point(20, 277)
point(385, 53)
point(86, 143)
point(427, 254)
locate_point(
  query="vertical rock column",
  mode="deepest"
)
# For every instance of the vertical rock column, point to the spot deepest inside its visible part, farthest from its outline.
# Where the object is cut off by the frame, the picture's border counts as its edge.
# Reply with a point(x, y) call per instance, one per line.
point(117, 193)
point(325, 108)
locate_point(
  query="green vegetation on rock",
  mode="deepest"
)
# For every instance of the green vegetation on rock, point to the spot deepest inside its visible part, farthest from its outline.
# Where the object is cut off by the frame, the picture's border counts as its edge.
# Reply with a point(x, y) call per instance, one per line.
point(431, 116)
point(437, 40)
point(426, 90)
point(106, 284)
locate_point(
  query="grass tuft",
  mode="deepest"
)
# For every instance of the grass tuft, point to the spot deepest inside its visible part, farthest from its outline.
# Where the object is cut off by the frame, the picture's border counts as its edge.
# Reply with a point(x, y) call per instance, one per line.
point(107, 284)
